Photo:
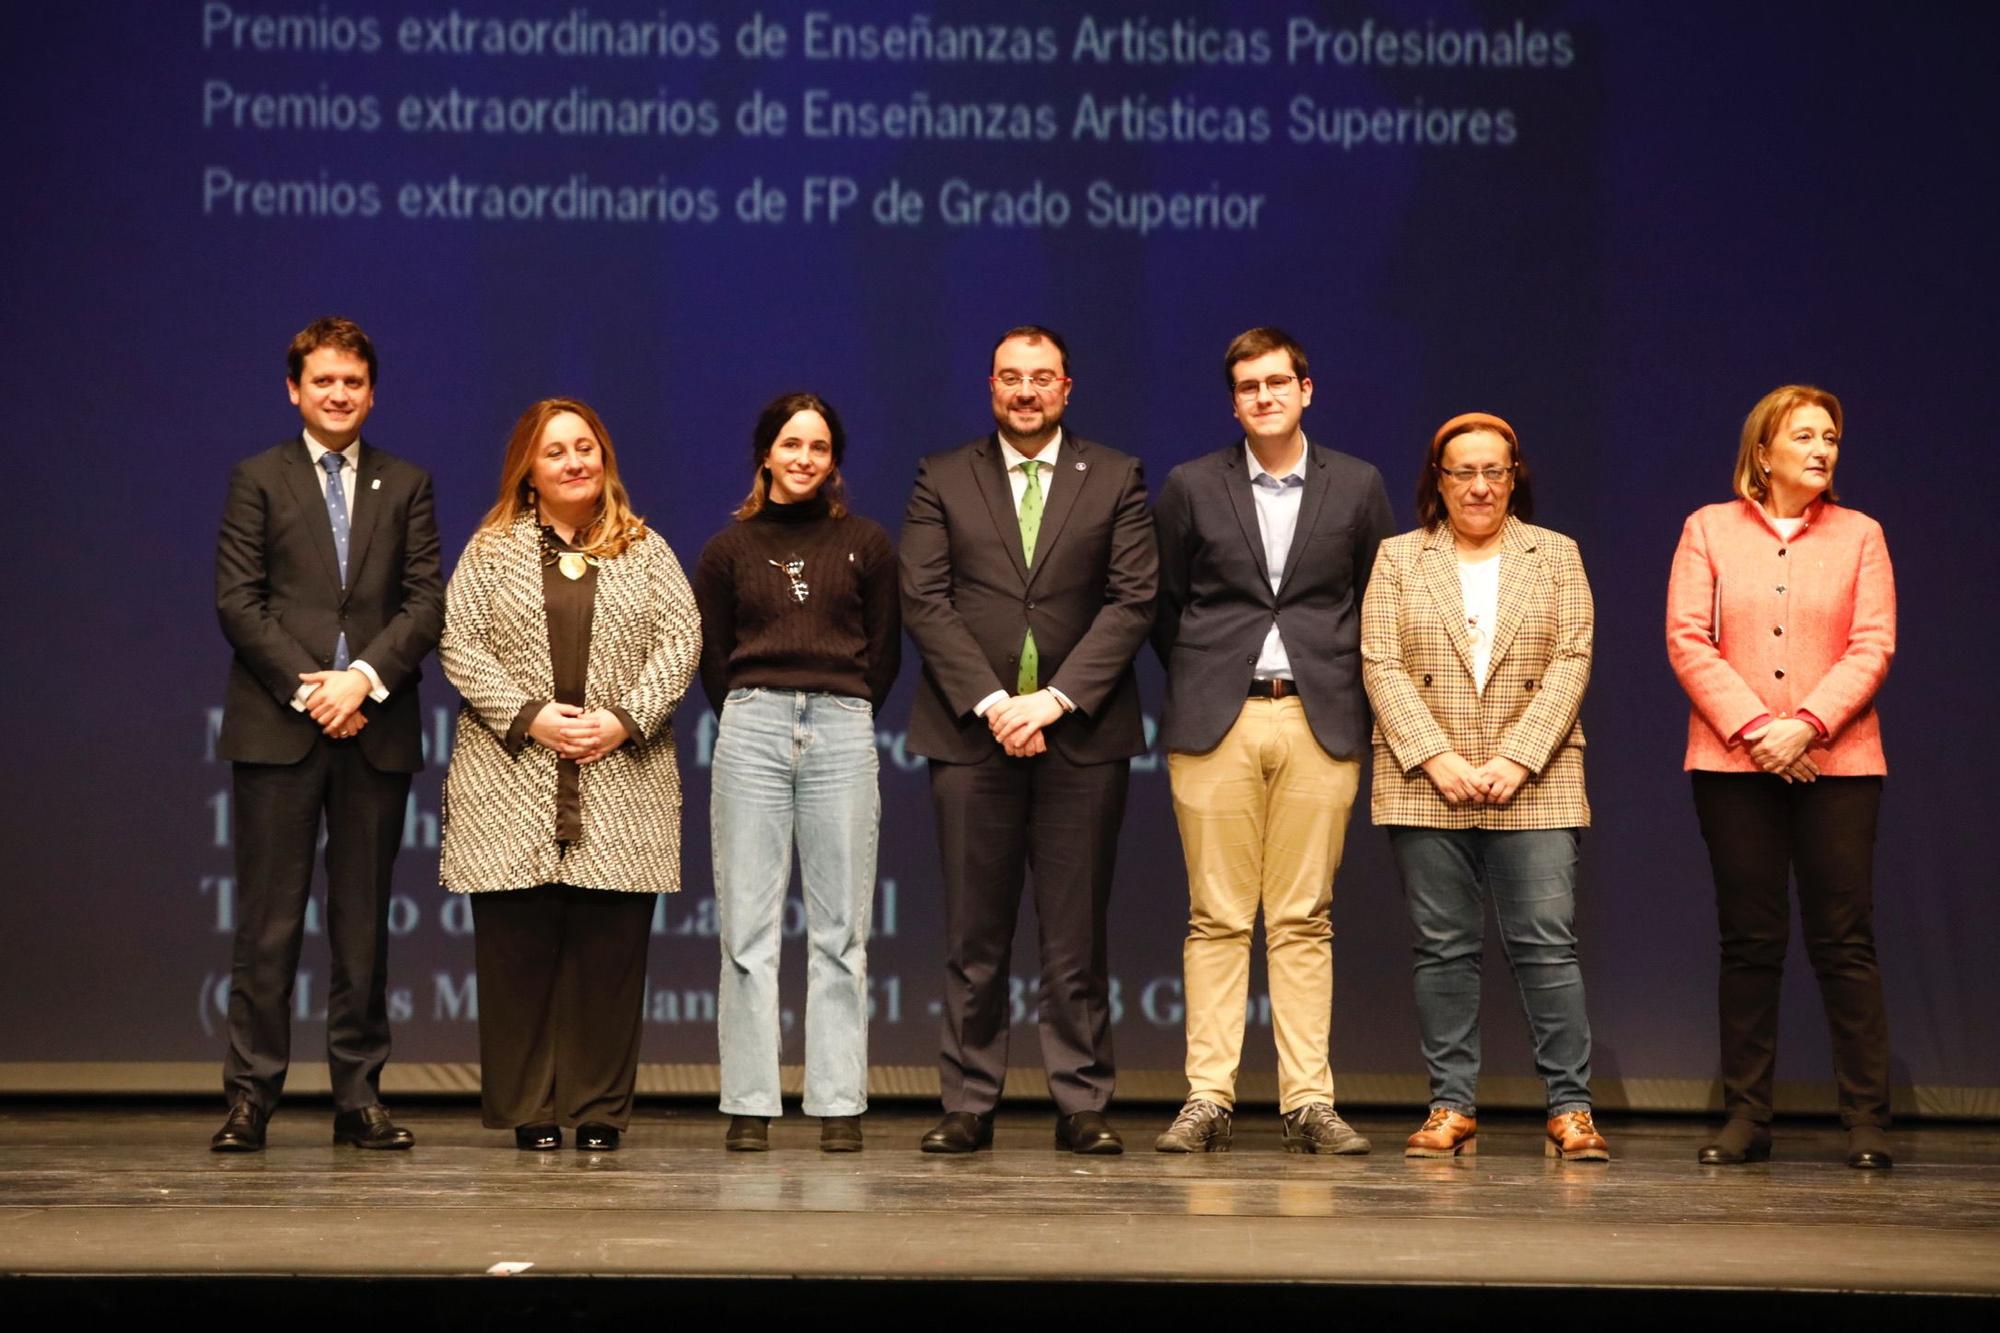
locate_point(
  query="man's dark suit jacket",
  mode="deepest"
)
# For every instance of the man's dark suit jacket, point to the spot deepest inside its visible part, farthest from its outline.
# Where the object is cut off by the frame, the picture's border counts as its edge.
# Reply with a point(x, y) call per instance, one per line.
point(1216, 603)
point(969, 597)
point(282, 607)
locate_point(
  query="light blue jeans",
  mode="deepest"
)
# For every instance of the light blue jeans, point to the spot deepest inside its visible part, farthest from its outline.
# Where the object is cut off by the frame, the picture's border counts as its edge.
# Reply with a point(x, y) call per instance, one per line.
point(793, 768)
point(1531, 875)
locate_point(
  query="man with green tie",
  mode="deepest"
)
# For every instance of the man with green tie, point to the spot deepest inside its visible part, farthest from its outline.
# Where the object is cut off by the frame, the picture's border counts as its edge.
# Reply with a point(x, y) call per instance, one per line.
point(1028, 577)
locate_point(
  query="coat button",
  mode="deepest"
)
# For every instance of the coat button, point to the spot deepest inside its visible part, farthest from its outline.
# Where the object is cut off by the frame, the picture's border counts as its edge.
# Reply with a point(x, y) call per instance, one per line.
point(1427, 677)
point(1778, 630)
point(1779, 673)
point(1527, 684)
point(1781, 551)
point(1031, 606)
point(1781, 588)
point(1251, 660)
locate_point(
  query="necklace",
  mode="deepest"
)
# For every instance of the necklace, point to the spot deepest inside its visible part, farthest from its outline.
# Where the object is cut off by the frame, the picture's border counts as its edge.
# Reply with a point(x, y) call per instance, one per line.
point(570, 564)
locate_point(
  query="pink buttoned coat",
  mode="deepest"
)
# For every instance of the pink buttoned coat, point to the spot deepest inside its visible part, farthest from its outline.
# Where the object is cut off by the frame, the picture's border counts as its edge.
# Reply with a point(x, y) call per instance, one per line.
point(1758, 624)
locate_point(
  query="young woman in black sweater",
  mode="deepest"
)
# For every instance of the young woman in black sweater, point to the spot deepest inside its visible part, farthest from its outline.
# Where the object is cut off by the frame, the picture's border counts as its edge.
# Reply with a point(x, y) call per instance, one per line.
point(801, 639)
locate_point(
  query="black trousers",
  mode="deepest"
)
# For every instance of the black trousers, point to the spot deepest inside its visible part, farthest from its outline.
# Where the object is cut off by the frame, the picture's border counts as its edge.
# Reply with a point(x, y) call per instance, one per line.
point(1760, 832)
point(1056, 823)
point(562, 993)
point(278, 812)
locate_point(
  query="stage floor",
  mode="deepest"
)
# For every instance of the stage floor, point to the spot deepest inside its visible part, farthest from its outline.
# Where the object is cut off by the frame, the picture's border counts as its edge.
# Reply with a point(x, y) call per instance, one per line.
point(103, 1190)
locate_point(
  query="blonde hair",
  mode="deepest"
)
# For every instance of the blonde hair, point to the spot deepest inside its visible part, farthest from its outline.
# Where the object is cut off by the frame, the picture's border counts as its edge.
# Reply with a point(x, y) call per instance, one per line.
point(613, 529)
point(1766, 419)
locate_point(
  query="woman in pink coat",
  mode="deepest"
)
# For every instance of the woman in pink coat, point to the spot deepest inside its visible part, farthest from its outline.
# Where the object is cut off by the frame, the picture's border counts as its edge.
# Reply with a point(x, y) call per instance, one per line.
point(1781, 620)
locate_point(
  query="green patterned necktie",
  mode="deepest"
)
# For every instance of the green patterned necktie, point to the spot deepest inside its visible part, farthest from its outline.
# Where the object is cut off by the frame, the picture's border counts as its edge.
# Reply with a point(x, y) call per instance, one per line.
point(1031, 527)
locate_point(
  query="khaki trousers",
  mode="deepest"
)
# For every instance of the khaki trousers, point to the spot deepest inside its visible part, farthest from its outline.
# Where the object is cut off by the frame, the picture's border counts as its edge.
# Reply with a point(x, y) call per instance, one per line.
point(1263, 818)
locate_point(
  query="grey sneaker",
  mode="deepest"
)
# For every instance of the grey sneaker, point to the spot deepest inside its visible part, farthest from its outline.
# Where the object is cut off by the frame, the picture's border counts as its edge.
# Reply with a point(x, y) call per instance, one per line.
point(1202, 1126)
point(1317, 1127)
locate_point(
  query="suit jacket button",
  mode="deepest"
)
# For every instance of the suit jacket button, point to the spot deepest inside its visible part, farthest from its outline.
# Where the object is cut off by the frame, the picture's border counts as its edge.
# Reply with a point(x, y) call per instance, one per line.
point(1778, 631)
point(1251, 660)
point(1427, 677)
point(1779, 673)
point(1527, 684)
point(1031, 606)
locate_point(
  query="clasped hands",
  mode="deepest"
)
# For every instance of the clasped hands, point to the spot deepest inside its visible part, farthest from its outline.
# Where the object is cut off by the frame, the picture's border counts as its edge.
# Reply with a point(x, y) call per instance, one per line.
point(335, 703)
point(1017, 721)
point(583, 734)
point(1779, 747)
point(1459, 783)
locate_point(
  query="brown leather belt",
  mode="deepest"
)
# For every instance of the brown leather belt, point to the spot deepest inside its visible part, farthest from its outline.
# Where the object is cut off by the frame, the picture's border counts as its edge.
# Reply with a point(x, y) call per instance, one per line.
point(1274, 688)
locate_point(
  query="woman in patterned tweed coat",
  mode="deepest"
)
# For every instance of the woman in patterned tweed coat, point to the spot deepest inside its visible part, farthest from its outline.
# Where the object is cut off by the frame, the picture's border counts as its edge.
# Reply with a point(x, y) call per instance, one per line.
point(1475, 646)
point(571, 634)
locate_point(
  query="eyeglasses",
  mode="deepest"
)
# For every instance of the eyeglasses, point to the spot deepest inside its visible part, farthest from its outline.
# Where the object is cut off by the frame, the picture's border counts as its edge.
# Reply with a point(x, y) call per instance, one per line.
point(1279, 386)
point(1492, 476)
point(1041, 381)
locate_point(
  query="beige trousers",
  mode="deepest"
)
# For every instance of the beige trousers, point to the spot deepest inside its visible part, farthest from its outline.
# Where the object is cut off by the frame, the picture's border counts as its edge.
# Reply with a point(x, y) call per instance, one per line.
point(1263, 818)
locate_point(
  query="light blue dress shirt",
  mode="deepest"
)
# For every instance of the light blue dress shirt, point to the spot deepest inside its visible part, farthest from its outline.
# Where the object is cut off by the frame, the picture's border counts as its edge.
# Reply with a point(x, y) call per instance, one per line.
point(1277, 501)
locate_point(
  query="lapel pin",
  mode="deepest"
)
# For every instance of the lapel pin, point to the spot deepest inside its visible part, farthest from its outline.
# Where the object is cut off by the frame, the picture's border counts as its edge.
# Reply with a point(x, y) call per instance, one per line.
point(375, 485)
point(1079, 465)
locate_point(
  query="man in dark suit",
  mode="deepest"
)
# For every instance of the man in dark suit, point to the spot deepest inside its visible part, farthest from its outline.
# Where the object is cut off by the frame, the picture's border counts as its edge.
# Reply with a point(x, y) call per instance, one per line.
point(1028, 577)
point(328, 589)
point(1265, 548)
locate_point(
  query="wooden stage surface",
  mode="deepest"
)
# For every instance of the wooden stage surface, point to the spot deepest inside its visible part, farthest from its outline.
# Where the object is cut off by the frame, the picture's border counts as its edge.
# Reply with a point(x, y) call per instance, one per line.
point(92, 1195)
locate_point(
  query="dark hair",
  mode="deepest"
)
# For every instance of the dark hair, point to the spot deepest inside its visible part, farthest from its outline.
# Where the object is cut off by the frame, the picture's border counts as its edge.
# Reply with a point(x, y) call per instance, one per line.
point(1253, 343)
point(1430, 500)
point(328, 331)
point(1034, 333)
point(764, 434)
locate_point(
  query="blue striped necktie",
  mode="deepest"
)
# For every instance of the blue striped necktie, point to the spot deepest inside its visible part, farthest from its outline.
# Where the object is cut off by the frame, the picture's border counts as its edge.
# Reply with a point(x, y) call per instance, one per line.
point(336, 512)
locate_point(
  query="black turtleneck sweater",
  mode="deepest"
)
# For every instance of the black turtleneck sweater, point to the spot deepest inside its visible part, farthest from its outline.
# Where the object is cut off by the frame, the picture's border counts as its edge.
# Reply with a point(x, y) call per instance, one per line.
point(795, 599)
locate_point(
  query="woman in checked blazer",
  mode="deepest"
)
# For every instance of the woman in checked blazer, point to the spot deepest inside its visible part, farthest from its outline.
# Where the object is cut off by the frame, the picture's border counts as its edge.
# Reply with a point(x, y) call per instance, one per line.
point(1475, 647)
point(571, 634)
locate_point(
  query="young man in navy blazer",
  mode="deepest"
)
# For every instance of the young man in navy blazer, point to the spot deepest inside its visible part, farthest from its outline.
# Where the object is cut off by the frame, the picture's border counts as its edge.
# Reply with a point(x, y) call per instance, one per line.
point(328, 589)
point(1265, 548)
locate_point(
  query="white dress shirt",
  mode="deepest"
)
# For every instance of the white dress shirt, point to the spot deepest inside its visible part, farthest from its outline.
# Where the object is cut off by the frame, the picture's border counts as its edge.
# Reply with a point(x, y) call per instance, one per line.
point(1017, 481)
point(349, 475)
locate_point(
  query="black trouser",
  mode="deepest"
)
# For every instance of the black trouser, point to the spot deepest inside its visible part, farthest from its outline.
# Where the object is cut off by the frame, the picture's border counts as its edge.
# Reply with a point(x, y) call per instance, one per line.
point(562, 993)
point(278, 810)
point(1760, 831)
point(1056, 823)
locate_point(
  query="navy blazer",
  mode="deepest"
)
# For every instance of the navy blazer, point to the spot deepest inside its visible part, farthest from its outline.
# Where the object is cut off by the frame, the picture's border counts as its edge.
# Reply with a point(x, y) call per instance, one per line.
point(279, 596)
point(1216, 602)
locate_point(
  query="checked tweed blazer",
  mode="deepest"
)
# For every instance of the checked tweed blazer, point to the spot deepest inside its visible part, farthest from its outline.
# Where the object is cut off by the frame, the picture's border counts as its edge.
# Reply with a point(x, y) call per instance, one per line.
point(1416, 661)
point(500, 803)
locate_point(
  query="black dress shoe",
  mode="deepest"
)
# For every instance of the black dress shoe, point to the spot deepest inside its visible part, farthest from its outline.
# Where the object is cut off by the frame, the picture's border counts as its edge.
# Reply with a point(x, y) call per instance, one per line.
point(243, 1131)
point(748, 1133)
point(538, 1138)
point(959, 1131)
point(596, 1136)
point(1738, 1142)
point(840, 1133)
point(1868, 1148)
point(370, 1127)
point(1087, 1132)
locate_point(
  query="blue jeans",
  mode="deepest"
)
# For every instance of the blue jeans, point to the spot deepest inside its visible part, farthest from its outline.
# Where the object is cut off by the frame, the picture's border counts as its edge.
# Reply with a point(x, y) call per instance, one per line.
point(1531, 875)
point(794, 768)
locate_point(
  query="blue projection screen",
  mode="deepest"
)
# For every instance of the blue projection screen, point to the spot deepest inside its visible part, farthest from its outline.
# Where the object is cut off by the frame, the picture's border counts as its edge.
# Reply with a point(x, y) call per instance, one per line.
point(1616, 225)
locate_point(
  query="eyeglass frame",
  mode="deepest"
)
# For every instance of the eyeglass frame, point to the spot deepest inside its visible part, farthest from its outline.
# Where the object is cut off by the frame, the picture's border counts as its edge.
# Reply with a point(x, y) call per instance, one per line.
point(1279, 386)
point(1464, 476)
point(1027, 381)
